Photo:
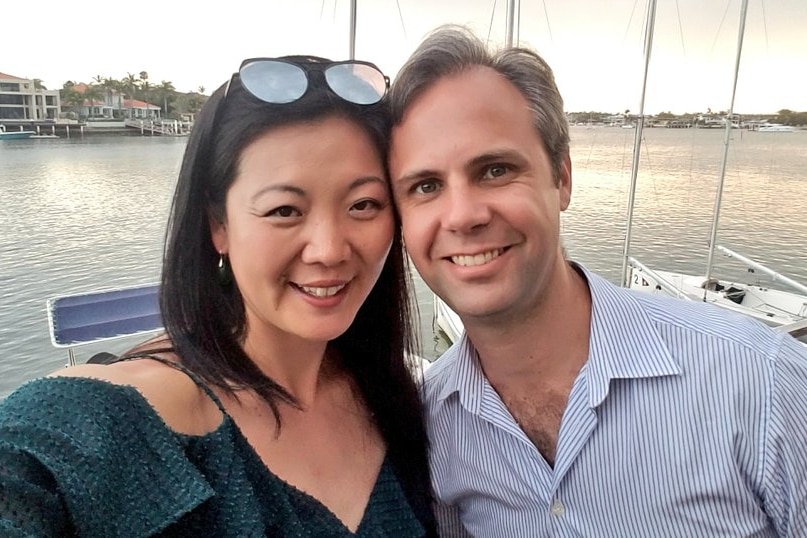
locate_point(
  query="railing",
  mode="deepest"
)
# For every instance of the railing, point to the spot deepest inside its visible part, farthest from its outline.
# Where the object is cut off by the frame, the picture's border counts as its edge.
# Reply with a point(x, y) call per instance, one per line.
point(660, 280)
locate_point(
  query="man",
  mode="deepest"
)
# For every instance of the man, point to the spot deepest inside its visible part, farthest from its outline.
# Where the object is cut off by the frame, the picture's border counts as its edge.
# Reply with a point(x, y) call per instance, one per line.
point(571, 407)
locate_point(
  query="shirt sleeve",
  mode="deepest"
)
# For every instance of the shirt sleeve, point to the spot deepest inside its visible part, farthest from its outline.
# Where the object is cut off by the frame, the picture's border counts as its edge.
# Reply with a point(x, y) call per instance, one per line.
point(785, 442)
point(449, 524)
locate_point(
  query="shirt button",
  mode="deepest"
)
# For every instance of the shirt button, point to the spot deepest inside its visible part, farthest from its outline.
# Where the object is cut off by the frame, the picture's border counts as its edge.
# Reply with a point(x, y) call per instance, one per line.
point(557, 508)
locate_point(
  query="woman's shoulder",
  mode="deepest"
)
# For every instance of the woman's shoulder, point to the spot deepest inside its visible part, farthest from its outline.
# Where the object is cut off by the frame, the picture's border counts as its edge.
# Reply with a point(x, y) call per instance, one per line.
point(178, 400)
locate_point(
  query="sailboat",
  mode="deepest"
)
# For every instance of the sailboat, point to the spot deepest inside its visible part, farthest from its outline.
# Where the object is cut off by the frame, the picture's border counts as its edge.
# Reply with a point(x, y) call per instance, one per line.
point(773, 307)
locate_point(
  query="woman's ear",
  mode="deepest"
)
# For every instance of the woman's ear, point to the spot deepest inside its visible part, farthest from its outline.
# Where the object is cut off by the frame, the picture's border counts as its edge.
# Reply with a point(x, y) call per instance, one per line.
point(218, 233)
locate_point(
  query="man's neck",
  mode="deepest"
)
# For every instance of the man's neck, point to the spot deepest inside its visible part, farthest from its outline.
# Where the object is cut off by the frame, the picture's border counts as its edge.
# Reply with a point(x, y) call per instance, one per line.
point(550, 343)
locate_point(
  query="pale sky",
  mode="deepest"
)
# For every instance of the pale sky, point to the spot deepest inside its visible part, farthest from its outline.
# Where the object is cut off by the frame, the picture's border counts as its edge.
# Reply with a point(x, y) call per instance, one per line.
point(594, 46)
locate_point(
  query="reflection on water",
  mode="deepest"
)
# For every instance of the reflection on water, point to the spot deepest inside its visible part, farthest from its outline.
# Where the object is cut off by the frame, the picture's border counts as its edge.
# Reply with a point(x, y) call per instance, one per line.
point(80, 215)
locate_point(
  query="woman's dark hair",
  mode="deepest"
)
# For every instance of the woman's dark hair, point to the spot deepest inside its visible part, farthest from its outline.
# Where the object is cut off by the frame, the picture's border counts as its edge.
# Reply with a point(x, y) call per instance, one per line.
point(205, 321)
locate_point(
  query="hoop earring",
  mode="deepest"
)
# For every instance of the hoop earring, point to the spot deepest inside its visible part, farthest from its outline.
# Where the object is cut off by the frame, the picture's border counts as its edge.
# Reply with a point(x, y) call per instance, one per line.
point(224, 271)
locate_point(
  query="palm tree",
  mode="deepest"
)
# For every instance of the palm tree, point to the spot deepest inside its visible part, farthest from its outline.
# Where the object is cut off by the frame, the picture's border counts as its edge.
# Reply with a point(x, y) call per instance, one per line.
point(130, 83)
point(92, 93)
point(166, 90)
point(72, 98)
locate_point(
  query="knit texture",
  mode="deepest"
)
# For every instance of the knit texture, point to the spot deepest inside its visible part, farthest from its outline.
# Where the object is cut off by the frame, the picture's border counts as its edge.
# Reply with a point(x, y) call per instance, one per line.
point(83, 457)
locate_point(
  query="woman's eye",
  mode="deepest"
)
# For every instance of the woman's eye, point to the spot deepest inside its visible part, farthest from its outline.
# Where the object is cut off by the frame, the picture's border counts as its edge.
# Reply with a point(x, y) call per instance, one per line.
point(366, 208)
point(365, 205)
point(285, 211)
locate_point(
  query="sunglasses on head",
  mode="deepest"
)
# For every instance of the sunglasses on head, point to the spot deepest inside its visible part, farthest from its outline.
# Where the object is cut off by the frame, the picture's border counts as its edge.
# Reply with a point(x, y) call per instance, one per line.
point(281, 81)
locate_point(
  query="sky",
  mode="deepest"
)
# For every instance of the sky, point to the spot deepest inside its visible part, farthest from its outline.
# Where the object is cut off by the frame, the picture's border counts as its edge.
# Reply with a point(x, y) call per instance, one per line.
point(594, 46)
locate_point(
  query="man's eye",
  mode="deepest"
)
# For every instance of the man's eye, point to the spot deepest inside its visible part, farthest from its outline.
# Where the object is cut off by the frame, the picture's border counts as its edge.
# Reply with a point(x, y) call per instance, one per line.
point(496, 170)
point(426, 187)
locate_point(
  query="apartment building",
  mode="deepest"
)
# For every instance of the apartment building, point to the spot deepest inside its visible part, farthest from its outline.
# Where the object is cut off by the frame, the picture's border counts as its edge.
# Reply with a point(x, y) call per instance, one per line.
point(21, 100)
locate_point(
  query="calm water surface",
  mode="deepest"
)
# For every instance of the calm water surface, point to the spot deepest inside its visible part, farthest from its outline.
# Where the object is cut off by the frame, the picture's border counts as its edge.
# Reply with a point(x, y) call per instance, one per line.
point(80, 215)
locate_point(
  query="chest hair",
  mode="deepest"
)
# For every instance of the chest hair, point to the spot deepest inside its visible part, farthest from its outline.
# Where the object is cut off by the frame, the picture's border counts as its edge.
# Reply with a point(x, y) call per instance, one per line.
point(539, 415)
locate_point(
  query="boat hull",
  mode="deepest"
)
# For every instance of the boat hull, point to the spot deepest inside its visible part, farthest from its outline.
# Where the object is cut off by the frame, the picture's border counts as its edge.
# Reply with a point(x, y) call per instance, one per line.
point(770, 306)
point(16, 135)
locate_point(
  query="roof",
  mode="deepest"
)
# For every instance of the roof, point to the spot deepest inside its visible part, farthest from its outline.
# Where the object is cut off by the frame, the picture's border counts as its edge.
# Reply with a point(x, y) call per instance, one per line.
point(134, 103)
point(5, 76)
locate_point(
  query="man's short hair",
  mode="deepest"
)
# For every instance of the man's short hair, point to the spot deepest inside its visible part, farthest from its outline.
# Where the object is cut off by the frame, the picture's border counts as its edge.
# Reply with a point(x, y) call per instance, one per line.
point(451, 50)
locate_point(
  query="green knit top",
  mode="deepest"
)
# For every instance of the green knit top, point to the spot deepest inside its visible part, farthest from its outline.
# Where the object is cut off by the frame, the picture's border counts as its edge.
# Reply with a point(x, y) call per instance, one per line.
point(84, 457)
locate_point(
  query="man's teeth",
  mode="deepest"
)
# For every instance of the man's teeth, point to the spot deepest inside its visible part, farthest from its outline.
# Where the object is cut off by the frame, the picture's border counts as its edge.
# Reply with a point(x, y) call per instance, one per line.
point(477, 259)
point(322, 292)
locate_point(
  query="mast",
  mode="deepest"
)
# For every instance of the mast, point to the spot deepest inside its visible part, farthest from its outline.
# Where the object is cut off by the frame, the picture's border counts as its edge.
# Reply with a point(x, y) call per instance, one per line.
point(726, 137)
point(511, 16)
point(352, 44)
point(637, 138)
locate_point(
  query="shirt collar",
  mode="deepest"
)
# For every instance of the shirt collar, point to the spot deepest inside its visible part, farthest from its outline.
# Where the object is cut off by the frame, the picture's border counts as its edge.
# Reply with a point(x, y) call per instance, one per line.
point(624, 344)
point(624, 341)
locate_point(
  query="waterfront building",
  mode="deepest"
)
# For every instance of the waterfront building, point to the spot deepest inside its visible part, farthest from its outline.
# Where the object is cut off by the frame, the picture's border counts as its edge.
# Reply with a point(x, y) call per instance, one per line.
point(112, 105)
point(23, 99)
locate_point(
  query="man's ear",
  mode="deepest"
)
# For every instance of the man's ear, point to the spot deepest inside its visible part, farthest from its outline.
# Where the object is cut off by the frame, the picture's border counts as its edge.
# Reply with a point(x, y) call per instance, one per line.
point(565, 182)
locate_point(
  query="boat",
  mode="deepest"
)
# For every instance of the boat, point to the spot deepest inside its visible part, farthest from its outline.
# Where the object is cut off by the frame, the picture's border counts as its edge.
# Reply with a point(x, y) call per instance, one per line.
point(775, 128)
point(15, 135)
point(45, 136)
point(773, 307)
point(447, 320)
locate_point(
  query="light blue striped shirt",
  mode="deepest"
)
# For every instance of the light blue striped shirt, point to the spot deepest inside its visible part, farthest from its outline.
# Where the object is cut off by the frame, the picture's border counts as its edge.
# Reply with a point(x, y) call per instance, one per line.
point(686, 421)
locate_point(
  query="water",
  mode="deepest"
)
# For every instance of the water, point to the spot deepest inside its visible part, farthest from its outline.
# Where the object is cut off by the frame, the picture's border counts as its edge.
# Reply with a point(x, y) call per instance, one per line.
point(80, 215)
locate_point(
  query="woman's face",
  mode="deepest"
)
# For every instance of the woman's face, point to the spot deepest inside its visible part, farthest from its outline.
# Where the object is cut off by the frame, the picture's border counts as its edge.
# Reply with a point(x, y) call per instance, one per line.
point(308, 226)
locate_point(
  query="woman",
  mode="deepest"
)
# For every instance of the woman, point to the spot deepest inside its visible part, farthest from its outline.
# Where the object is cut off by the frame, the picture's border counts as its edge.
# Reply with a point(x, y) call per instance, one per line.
point(279, 401)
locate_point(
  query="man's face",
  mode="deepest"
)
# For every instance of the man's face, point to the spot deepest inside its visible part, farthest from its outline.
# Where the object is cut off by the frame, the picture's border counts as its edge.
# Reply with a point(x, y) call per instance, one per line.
point(475, 189)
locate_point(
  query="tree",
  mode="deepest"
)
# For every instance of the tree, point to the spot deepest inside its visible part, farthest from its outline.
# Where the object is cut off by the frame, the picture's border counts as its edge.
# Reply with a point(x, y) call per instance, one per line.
point(166, 92)
point(91, 94)
point(130, 83)
point(145, 91)
point(72, 98)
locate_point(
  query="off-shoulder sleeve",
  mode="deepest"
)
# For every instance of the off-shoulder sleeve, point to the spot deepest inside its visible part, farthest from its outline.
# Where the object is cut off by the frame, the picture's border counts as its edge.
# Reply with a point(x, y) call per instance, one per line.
point(85, 456)
point(30, 504)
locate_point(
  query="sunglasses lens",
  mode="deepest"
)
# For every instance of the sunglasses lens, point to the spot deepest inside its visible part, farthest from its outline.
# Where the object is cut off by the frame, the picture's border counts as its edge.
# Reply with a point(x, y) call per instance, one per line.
point(273, 81)
point(357, 83)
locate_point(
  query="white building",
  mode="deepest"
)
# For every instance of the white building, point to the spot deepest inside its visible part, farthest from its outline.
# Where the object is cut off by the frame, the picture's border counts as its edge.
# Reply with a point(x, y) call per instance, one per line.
point(21, 100)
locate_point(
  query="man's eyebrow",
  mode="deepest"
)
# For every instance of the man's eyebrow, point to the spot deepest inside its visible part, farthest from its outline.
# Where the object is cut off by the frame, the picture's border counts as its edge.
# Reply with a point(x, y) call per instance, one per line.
point(482, 159)
point(416, 175)
point(493, 156)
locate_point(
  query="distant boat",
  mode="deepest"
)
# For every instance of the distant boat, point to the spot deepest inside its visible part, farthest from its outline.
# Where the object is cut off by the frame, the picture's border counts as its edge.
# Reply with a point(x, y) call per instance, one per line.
point(775, 128)
point(628, 126)
point(16, 135)
point(44, 136)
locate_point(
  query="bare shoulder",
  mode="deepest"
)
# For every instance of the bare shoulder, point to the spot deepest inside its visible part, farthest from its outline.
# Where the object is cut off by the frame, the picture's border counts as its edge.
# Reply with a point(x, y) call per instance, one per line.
point(180, 402)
